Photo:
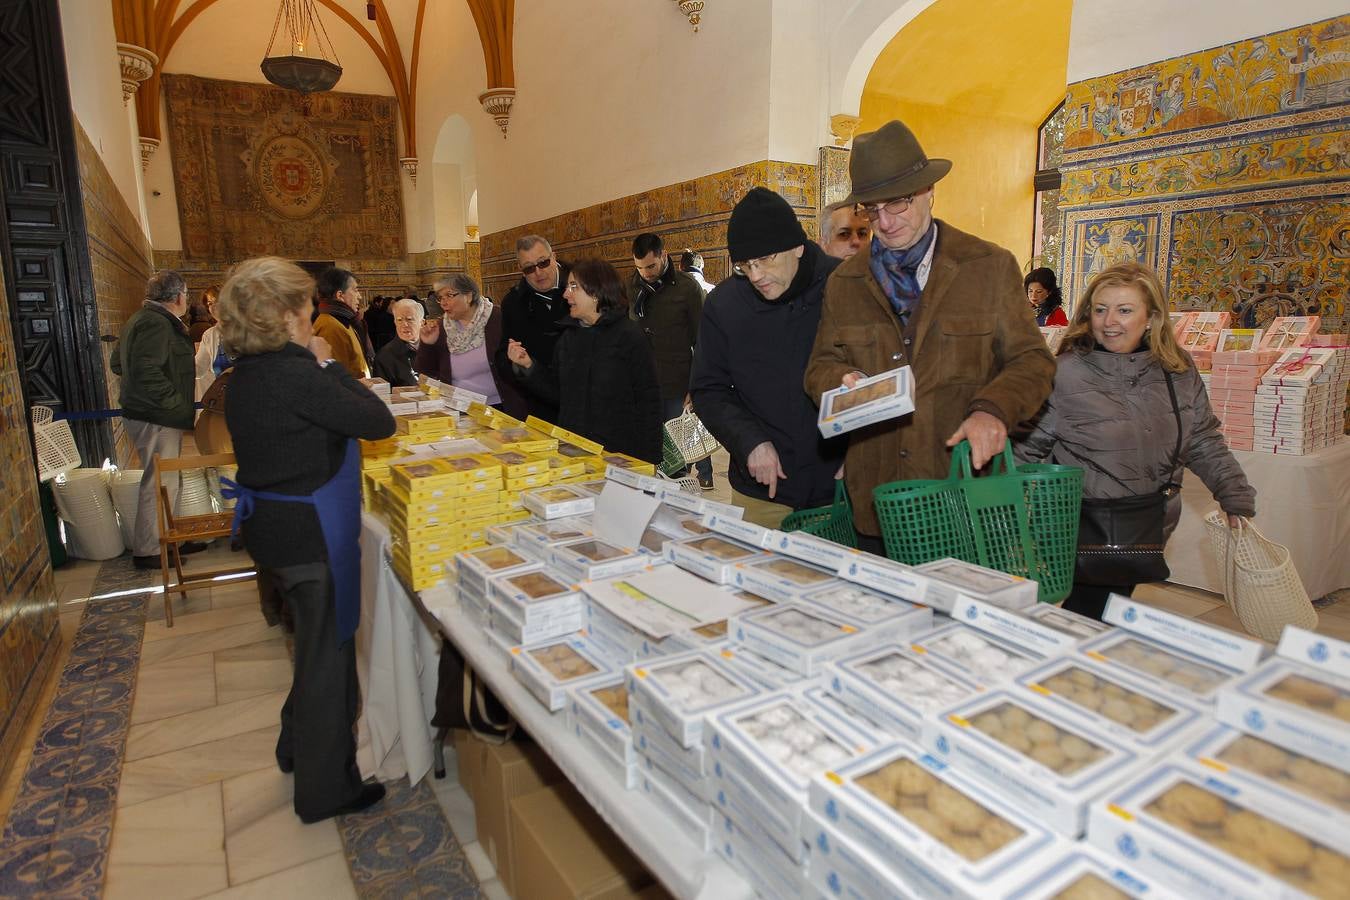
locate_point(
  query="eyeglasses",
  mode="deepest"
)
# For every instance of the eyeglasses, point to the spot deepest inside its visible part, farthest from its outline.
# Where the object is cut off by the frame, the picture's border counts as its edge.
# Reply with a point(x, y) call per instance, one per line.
point(744, 269)
point(448, 294)
point(542, 264)
point(893, 207)
point(573, 286)
point(405, 320)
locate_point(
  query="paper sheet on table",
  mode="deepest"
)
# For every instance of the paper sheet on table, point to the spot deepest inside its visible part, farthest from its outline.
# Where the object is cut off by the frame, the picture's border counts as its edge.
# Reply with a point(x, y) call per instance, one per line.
point(665, 600)
point(621, 514)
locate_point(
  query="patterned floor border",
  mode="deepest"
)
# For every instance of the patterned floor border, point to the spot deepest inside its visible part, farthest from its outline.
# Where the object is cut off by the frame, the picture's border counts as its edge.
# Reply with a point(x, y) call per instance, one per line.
point(56, 840)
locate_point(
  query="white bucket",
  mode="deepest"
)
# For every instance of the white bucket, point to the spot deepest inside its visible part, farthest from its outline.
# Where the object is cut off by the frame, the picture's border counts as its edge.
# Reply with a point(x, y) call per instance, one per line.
point(86, 505)
point(125, 485)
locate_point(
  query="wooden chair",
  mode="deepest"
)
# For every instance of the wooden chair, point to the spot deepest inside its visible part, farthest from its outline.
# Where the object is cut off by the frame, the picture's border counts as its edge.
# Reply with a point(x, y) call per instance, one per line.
point(175, 529)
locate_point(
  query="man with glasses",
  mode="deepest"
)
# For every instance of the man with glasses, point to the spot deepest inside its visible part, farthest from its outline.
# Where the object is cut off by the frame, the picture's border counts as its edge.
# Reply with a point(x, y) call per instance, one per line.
point(945, 303)
point(754, 342)
point(153, 358)
point(531, 313)
point(667, 305)
point(844, 230)
point(394, 362)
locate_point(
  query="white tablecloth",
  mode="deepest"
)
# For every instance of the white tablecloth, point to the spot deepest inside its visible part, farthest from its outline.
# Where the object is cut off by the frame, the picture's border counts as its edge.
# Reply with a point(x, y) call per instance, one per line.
point(396, 660)
point(1302, 502)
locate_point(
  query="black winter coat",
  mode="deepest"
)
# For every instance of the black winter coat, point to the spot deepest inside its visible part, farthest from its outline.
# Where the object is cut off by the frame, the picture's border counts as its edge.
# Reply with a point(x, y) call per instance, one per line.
point(604, 382)
point(669, 317)
point(747, 376)
point(533, 319)
point(394, 363)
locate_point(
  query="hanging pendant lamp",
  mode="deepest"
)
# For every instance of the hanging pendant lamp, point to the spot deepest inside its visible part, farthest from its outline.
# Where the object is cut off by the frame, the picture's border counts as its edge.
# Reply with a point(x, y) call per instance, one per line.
point(297, 71)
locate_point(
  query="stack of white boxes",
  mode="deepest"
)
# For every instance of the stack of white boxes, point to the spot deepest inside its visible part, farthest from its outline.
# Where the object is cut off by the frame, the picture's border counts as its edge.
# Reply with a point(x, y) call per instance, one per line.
point(1232, 385)
point(1338, 382)
point(1293, 402)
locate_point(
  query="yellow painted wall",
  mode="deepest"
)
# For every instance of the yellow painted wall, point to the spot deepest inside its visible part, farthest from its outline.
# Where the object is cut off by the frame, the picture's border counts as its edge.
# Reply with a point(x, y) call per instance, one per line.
point(974, 80)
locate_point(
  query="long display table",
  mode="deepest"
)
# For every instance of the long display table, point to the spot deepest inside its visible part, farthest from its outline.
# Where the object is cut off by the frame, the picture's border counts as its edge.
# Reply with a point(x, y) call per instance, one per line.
point(399, 704)
point(1302, 502)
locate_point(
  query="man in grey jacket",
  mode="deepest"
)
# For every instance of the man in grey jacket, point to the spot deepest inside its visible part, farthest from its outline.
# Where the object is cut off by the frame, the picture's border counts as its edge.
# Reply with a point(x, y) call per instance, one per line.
point(154, 359)
point(668, 305)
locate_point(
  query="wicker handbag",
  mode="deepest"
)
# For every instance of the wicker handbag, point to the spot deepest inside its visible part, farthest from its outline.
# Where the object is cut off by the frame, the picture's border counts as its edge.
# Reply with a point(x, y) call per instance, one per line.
point(691, 436)
point(1260, 581)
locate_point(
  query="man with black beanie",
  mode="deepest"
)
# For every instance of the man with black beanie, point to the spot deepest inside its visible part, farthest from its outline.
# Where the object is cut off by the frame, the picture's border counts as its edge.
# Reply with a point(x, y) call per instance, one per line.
point(754, 342)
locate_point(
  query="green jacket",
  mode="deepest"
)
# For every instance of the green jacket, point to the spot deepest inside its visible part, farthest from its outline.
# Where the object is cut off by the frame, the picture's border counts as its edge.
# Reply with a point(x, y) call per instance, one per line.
point(669, 317)
point(154, 359)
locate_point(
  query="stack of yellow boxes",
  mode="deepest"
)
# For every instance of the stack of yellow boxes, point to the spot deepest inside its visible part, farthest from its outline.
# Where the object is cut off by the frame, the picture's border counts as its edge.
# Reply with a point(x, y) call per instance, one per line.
point(436, 508)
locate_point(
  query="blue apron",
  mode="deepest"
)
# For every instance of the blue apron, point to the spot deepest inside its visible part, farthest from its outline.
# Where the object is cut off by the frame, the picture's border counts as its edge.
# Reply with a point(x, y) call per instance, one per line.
point(338, 505)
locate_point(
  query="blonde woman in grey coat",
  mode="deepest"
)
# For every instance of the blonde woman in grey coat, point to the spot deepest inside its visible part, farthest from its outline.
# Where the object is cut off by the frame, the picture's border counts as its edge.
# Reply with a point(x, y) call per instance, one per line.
point(1111, 412)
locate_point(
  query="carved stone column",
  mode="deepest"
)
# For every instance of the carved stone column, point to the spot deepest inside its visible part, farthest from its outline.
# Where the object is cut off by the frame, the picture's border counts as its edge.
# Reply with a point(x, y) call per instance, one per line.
point(693, 11)
point(409, 164)
point(148, 148)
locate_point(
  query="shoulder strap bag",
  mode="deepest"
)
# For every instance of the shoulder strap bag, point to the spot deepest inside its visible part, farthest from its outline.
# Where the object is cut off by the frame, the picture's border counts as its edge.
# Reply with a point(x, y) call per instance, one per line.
point(1120, 540)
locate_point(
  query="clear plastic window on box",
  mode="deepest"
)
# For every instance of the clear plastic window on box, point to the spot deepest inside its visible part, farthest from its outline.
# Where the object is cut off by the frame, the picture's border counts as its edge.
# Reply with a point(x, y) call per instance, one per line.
point(988, 660)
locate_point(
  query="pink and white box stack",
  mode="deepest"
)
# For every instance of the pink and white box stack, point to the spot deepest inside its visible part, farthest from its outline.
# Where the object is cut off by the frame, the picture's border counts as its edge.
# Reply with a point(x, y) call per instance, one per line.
point(1232, 386)
point(1300, 401)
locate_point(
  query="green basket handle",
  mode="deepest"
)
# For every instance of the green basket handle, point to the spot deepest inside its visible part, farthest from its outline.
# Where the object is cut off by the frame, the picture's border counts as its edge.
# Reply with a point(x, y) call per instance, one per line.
point(1003, 464)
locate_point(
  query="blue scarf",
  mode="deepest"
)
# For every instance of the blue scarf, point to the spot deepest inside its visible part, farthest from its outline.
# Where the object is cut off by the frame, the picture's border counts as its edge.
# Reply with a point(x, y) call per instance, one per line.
point(897, 271)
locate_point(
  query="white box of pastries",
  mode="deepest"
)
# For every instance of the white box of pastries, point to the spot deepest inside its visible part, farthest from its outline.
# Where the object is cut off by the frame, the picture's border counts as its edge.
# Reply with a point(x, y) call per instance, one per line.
point(780, 579)
point(548, 669)
point(980, 656)
point(873, 399)
point(711, 556)
point(591, 559)
point(1047, 767)
point(477, 566)
point(895, 618)
point(1248, 759)
point(1082, 872)
point(680, 690)
point(950, 579)
point(1207, 835)
point(798, 637)
point(766, 752)
point(534, 594)
point(932, 826)
point(1300, 707)
point(885, 575)
point(1078, 688)
point(896, 689)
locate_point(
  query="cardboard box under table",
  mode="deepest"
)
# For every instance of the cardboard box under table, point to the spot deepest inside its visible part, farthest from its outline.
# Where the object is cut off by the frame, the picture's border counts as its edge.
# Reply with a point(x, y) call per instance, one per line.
point(896, 689)
point(564, 850)
point(765, 752)
point(508, 771)
point(1049, 768)
point(933, 828)
point(1250, 760)
point(1206, 835)
point(1080, 689)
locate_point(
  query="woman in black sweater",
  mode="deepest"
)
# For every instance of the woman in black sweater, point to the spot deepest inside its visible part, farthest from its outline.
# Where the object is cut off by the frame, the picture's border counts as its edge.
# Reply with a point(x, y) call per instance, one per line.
point(602, 377)
point(294, 417)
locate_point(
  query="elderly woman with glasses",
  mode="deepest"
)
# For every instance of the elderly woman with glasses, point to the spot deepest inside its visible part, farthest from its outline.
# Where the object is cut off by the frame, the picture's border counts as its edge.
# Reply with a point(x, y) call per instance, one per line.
point(602, 376)
point(296, 415)
point(394, 362)
point(460, 347)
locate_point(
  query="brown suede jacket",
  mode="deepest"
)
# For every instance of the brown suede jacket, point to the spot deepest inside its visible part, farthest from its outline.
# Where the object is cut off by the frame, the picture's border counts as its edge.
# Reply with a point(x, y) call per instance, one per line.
point(972, 344)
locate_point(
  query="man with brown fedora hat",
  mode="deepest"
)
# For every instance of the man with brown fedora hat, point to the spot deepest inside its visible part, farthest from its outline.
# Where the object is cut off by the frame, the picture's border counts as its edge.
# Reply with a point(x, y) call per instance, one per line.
point(946, 303)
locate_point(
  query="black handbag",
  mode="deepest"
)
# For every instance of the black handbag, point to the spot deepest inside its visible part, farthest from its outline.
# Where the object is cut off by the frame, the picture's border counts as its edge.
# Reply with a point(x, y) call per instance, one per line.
point(464, 701)
point(1120, 540)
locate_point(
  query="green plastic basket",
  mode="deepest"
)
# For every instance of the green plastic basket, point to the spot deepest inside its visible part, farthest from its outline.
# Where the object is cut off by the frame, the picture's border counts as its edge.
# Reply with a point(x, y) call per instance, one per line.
point(672, 460)
point(833, 522)
point(1022, 520)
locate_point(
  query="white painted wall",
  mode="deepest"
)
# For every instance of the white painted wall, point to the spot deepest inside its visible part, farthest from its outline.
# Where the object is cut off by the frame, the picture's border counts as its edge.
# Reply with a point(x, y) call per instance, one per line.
point(161, 200)
point(620, 96)
point(96, 93)
point(1107, 37)
point(798, 87)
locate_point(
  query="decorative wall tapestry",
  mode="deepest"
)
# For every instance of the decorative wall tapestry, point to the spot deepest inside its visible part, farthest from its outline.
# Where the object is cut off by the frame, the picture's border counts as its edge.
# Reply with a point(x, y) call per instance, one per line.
point(1227, 170)
point(260, 170)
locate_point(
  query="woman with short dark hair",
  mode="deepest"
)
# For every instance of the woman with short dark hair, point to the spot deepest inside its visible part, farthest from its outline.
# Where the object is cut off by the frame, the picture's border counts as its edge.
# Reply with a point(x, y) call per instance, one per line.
point(295, 415)
point(1043, 296)
point(602, 377)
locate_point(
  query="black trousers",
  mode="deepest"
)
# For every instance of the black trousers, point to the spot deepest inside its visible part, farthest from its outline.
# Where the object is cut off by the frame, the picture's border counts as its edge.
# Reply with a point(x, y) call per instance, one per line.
point(318, 720)
point(1090, 599)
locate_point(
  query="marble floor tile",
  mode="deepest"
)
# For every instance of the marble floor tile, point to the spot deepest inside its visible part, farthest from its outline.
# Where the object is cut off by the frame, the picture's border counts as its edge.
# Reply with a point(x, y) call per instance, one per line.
point(176, 647)
point(170, 848)
point(263, 835)
point(207, 763)
point(72, 594)
point(232, 593)
point(203, 725)
point(243, 672)
point(196, 602)
point(326, 878)
point(1224, 618)
point(1336, 626)
point(209, 619)
point(456, 804)
point(173, 687)
point(479, 861)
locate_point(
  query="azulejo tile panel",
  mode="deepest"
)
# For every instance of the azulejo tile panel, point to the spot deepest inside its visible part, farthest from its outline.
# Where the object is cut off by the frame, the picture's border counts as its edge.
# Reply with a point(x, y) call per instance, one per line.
point(1226, 170)
point(1298, 69)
